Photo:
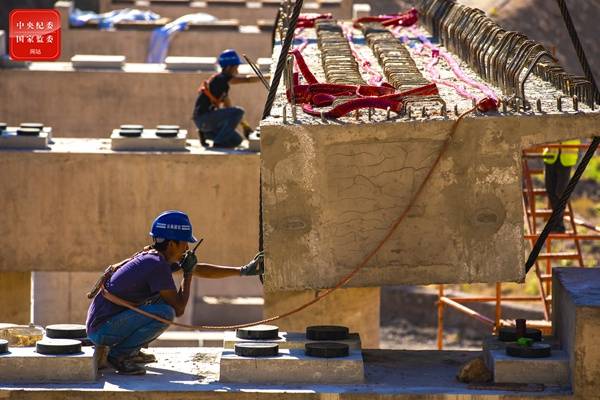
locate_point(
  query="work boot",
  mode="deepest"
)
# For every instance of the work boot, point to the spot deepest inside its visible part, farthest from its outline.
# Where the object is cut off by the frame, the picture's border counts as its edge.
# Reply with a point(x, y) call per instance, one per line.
point(126, 366)
point(202, 137)
point(143, 358)
point(101, 355)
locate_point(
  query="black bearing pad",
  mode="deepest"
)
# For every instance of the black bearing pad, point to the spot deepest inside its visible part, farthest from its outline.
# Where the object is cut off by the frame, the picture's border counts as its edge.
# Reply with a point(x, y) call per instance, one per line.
point(167, 133)
point(35, 125)
point(510, 334)
point(3, 346)
point(133, 127)
point(536, 350)
point(258, 332)
point(167, 127)
point(3, 126)
point(28, 131)
point(326, 349)
point(257, 349)
point(327, 332)
point(130, 132)
point(58, 346)
point(66, 331)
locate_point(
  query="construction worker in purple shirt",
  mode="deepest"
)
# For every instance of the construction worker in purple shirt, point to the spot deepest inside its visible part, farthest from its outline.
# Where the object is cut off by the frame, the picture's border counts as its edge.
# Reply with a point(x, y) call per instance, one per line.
point(214, 115)
point(558, 163)
point(145, 280)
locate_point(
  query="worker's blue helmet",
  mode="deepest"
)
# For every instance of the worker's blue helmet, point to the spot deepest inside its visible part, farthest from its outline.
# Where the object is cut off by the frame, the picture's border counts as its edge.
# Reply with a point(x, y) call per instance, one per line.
point(173, 225)
point(229, 57)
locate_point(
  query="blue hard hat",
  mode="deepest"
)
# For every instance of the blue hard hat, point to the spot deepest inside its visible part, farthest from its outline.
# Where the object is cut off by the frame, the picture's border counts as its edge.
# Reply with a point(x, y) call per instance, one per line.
point(229, 57)
point(173, 225)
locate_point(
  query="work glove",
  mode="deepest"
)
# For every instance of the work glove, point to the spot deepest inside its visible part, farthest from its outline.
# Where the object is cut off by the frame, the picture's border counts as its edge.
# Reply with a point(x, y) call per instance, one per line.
point(254, 267)
point(188, 263)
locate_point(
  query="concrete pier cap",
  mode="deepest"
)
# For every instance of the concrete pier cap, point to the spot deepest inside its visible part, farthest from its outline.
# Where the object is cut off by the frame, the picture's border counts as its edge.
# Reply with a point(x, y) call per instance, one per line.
point(331, 189)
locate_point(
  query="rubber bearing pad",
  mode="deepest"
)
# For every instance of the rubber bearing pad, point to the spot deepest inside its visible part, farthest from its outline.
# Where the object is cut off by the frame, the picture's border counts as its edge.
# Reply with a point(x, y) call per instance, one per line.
point(167, 127)
point(257, 349)
point(130, 132)
point(258, 332)
point(58, 346)
point(3, 346)
point(66, 331)
point(510, 334)
point(28, 132)
point(167, 133)
point(133, 127)
point(327, 332)
point(35, 125)
point(3, 126)
point(536, 350)
point(326, 349)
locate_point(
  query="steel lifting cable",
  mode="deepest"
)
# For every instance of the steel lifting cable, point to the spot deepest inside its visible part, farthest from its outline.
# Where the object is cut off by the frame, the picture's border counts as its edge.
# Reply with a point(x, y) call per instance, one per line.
point(114, 299)
point(285, 48)
point(564, 199)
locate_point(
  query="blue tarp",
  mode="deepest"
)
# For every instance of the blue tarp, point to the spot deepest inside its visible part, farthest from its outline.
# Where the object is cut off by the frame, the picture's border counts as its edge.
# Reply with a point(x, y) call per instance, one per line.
point(161, 37)
point(107, 20)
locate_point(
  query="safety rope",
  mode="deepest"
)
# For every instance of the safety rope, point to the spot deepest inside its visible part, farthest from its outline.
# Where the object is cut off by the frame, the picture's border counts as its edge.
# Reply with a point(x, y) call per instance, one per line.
point(482, 106)
point(564, 199)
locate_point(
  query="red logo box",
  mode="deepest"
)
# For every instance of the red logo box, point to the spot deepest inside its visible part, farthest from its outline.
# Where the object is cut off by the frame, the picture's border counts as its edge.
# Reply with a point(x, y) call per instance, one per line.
point(34, 35)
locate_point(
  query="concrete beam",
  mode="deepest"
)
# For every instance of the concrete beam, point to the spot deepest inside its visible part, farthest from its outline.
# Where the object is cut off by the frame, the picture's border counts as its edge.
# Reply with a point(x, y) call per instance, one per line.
point(291, 366)
point(247, 12)
point(81, 207)
point(133, 42)
point(94, 102)
point(288, 340)
point(553, 370)
point(332, 190)
point(15, 297)
point(576, 322)
point(24, 364)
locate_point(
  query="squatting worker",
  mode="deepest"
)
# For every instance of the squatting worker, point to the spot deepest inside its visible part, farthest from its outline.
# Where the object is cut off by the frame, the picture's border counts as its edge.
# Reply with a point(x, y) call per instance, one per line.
point(146, 280)
point(214, 115)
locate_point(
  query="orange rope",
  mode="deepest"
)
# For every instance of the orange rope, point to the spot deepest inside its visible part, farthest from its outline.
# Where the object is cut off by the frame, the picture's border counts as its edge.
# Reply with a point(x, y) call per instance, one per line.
point(114, 299)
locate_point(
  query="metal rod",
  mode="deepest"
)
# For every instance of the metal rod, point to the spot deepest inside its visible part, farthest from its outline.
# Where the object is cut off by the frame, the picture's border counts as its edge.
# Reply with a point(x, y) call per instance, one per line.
point(257, 71)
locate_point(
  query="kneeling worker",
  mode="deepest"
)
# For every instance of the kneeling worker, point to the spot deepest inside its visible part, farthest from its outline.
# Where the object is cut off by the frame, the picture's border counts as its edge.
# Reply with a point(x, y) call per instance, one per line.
point(146, 281)
point(214, 115)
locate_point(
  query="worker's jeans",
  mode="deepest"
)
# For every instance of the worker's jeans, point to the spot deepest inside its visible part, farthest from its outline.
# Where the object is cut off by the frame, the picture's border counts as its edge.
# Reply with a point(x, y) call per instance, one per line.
point(127, 332)
point(556, 179)
point(219, 126)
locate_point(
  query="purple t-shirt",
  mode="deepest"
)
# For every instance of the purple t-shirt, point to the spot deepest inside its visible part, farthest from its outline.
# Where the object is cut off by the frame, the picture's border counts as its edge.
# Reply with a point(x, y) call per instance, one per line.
point(136, 281)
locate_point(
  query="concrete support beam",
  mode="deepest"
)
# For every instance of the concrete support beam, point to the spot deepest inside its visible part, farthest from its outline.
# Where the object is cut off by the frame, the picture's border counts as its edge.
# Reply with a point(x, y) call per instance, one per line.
point(289, 340)
point(576, 322)
point(291, 366)
point(553, 370)
point(356, 308)
point(24, 364)
point(146, 95)
point(15, 297)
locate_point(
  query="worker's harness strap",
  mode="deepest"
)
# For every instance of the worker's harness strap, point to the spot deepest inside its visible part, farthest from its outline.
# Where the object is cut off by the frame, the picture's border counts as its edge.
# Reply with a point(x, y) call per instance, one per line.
point(205, 89)
point(111, 269)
